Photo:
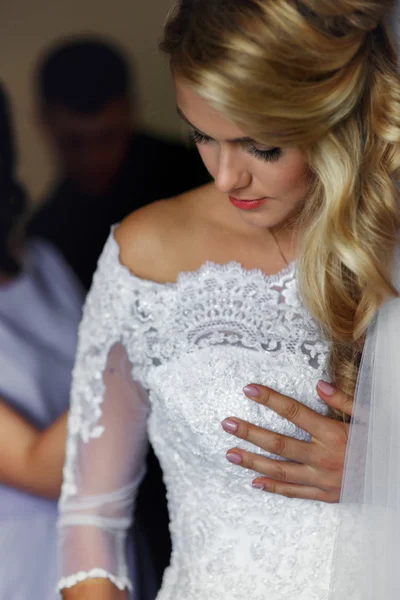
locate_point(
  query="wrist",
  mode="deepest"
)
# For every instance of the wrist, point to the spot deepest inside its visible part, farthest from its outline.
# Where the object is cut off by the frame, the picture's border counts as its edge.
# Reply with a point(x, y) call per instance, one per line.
point(94, 589)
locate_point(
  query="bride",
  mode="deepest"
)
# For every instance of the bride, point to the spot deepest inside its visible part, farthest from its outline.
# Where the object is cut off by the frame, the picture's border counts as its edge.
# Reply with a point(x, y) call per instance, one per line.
point(271, 275)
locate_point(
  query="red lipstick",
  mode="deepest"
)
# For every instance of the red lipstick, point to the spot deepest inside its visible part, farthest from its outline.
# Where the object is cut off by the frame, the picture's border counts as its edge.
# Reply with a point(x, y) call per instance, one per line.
point(247, 204)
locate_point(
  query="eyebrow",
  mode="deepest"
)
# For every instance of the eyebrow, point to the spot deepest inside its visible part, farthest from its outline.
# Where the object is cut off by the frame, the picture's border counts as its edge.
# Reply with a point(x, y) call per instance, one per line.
point(240, 140)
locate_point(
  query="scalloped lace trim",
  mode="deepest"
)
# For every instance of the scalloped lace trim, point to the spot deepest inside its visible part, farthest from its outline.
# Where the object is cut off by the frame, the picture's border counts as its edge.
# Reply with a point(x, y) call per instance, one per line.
point(209, 267)
point(121, 583)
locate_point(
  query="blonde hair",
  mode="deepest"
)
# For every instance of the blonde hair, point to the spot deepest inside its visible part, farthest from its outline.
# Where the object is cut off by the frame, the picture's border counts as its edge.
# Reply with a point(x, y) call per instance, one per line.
point(320, 75)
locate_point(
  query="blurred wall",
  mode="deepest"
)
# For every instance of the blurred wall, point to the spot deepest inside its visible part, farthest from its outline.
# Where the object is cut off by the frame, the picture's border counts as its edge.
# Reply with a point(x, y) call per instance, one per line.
point(29, 26)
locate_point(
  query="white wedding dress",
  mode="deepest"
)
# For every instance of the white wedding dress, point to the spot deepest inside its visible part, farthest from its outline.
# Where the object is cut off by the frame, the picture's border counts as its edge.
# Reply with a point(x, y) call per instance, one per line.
point(168, 362)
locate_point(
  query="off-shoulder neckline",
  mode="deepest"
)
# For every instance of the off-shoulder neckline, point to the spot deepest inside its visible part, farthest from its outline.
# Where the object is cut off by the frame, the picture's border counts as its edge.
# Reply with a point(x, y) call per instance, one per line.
point(209, 267)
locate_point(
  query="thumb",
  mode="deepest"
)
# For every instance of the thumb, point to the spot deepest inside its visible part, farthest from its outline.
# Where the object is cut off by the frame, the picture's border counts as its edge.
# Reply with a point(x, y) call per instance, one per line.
point(334, 398)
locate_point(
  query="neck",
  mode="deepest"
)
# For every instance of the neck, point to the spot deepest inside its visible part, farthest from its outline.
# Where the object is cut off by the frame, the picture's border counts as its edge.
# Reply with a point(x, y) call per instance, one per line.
point(286, 238)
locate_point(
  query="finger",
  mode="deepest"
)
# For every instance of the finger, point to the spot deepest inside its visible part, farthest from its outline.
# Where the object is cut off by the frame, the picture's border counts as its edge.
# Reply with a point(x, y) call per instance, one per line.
point(335, 399)
point(290, 490)
point(290, 409)
point(274, 443)
point(288, 472)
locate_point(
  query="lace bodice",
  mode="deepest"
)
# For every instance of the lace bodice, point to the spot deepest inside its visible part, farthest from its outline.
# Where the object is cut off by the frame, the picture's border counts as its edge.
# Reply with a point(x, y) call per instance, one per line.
point(170, 361)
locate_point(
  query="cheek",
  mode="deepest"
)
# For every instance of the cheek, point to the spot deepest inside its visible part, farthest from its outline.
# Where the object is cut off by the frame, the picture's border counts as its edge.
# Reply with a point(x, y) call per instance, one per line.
point(287, 178)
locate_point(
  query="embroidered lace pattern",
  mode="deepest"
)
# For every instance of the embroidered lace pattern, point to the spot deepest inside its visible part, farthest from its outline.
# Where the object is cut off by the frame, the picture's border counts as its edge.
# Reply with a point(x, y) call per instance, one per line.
point(120, 582)
point(192, 346)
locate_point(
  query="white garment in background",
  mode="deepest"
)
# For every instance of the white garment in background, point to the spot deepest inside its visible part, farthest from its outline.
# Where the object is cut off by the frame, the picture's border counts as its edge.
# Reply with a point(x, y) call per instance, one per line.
point(171, 360)
point(39, 316)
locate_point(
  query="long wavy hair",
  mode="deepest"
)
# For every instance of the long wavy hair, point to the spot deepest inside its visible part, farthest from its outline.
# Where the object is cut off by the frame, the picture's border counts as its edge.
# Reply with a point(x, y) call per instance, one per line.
point(320, 75)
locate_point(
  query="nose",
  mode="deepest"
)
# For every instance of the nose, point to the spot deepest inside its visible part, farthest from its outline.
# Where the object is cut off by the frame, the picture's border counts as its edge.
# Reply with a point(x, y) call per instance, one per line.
point(232, 174)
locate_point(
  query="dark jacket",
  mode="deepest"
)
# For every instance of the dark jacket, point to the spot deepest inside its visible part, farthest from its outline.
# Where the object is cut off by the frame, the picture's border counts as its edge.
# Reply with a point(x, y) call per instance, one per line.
point(78, 225)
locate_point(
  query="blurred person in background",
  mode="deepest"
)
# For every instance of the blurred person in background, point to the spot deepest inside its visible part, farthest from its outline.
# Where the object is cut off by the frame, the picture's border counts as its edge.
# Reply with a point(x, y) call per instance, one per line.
point(88, 104)
point(89, 110)
point(40, 309)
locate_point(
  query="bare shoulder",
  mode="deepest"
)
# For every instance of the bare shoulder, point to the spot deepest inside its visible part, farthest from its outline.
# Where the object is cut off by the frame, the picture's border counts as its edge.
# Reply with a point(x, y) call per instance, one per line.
point(155, 239)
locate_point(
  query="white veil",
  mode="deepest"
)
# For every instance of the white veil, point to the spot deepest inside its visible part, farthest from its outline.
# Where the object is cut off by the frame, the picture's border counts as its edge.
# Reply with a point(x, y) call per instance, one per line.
point(367, 552)
point(366, 561)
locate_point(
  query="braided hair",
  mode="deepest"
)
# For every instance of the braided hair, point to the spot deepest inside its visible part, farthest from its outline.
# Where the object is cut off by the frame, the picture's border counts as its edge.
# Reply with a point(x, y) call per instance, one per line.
point(13, 198)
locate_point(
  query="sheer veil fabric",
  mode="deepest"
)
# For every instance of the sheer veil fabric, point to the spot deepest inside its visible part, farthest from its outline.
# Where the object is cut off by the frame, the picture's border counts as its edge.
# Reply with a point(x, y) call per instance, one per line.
point(368, 536)
point(367, 544)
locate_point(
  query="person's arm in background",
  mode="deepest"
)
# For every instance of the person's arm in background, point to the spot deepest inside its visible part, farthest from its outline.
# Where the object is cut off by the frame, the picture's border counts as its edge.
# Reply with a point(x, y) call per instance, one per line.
point(31, 459)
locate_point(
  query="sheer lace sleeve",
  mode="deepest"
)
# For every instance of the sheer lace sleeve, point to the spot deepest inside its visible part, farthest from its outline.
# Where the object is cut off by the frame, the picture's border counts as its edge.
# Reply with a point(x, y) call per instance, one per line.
point(106, 445)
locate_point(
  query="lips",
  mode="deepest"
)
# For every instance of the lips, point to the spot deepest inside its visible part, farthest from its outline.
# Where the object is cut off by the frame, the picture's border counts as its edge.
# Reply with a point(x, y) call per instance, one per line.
point(248, 204)
point(246, 199)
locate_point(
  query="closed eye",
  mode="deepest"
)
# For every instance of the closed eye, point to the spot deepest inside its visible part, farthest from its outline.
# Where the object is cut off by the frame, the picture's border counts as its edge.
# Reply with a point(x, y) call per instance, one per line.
point(199, 138)
point(272, 155)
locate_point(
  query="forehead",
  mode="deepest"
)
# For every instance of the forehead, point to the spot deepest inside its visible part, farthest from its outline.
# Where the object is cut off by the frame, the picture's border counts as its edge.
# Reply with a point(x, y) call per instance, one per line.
point(203, 116)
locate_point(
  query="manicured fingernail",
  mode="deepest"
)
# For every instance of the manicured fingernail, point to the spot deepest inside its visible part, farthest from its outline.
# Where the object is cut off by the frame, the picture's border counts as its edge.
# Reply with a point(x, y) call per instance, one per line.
point(257, 486)
point(230, 426)
point(234, 458)
point(326, 388)
point(252, 391)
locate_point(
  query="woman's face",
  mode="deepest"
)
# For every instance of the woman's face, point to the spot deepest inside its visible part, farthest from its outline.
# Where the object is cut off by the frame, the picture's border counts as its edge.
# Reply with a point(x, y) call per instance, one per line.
point(265, 185)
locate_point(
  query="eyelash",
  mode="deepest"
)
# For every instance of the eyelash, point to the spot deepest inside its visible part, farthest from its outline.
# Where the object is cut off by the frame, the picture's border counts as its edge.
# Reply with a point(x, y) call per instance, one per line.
point(272, 155)
point(199, 138)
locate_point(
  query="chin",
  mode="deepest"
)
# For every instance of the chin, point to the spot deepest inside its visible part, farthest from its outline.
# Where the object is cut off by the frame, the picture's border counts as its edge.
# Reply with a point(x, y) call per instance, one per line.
point(263, 220)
